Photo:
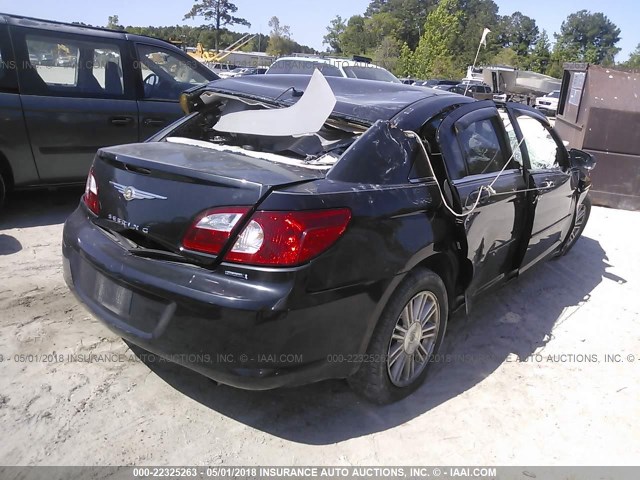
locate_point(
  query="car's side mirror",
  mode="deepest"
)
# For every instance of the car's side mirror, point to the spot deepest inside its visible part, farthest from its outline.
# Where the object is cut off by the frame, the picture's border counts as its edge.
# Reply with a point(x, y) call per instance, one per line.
point(581, 160)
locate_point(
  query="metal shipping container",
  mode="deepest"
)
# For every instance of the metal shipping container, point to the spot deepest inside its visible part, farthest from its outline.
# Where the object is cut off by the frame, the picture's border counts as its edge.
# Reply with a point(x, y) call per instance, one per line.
point(599, 112)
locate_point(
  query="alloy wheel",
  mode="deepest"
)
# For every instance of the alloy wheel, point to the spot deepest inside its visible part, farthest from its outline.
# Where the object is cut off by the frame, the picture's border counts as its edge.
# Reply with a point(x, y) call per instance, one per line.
point(414, 339)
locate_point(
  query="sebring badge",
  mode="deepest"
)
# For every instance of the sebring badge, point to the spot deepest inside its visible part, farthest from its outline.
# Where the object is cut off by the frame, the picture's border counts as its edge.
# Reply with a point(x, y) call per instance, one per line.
point(130, 193)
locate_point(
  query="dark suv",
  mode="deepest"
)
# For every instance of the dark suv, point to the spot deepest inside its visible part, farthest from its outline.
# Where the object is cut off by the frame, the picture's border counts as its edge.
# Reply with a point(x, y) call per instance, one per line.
point(67, 90)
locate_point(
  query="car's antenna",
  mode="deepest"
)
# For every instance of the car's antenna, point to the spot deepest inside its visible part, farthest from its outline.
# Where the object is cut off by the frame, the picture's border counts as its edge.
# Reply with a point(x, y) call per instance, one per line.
point(483, 41)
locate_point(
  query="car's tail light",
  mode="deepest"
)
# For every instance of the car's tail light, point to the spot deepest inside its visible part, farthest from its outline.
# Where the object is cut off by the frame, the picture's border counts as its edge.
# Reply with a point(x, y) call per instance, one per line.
point(211, 230)
point(91, 194)
point(269, 238)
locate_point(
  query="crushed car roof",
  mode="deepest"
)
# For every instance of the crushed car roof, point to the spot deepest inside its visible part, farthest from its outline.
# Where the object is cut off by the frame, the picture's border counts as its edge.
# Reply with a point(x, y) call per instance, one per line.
point(365, 100)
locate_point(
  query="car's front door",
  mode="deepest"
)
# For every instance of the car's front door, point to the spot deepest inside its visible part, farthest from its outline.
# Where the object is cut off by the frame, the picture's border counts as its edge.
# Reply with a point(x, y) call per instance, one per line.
point(164, 74)
point(82, 102)
point(552, 194)
point(487, 187)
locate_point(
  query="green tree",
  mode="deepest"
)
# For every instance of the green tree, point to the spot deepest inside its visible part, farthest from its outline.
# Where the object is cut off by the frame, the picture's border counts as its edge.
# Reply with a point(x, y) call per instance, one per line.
point(280, 42)
point(518, 32)
point(220, 11)
point(386, 55)
point(406, 65)
point(507, 57)
point(410, 16)
point(381, 25)
point(476, 16)
point(541, 54)
point(114, 23)
point(435, 54)
point(634, 60)
point(587, 37)
point(334, 30)
point(356, 39)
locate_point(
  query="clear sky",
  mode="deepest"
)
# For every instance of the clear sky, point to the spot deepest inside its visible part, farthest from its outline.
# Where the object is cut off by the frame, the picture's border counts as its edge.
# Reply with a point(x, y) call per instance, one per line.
point(308, 18)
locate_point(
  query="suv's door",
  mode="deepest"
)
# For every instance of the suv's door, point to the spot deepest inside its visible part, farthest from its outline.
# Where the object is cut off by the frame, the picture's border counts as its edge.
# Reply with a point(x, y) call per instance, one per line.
point(475, 148)
point(550, 180)
point(14, 141)
point(83, 102)
point(163, 74)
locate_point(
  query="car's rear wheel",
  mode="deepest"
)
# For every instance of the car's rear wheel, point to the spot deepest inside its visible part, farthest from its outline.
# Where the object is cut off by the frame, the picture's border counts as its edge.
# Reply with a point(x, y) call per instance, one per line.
point(582, 217)
point(404, 343)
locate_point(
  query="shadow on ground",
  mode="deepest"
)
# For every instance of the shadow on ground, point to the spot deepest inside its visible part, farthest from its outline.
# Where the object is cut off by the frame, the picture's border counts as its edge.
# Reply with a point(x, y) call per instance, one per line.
point(36, 208)
point(9, 245)
point(517, 319)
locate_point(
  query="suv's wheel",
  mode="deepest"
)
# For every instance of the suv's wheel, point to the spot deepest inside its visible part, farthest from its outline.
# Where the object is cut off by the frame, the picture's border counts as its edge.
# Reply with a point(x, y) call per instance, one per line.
point(408, 335)
point(582, 217)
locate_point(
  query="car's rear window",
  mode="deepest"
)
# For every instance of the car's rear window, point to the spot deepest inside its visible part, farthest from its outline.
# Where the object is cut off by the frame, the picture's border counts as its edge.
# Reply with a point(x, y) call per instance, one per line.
point(303, 67)
point(370, 73)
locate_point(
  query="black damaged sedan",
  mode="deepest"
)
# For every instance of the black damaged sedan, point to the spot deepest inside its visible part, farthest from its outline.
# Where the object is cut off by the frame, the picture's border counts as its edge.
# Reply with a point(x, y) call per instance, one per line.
point(291, 229)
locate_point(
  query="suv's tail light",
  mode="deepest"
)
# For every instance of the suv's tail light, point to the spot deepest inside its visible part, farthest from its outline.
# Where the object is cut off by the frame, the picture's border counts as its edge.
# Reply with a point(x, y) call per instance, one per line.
point(269, 238)
point(91, 194)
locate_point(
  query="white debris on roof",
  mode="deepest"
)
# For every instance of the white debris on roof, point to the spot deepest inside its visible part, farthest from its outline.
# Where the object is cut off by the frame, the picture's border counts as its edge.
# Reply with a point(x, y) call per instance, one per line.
point(307, 116)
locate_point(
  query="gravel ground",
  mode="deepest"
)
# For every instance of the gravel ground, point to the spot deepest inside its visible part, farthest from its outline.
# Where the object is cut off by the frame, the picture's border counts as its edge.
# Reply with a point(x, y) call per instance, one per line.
point(534, 388)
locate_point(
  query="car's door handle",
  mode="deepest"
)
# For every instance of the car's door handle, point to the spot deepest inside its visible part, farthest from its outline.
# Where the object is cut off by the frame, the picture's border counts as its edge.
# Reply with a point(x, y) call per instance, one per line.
point(121, 121)
point(154, 122)
point(548, 184)
point(473, 197)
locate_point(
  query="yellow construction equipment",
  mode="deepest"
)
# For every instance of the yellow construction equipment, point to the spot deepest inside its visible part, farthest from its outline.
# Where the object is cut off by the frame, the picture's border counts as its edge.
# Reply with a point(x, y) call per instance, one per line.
point(213, 57)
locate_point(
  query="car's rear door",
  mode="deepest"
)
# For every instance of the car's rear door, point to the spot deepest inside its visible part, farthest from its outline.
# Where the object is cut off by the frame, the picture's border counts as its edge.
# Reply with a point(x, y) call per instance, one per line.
point(83, 102)
point(162, 75)
point(475, 149)
point(14, 141)
point(552, 194)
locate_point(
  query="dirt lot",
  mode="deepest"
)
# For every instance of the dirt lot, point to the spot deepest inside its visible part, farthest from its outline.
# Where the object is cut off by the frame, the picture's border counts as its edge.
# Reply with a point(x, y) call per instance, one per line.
point(534, 387)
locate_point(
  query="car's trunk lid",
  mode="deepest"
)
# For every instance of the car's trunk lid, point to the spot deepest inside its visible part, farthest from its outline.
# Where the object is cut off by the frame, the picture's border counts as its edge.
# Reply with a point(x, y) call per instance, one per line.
point(151, 193)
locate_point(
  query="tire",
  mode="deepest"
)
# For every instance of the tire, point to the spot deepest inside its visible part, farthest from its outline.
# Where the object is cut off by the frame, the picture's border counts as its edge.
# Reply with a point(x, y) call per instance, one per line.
point(385, 376)
point(582, 217)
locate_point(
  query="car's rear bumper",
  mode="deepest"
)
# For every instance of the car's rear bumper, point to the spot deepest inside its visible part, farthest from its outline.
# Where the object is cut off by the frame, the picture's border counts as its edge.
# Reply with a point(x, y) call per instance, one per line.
point(253, 335)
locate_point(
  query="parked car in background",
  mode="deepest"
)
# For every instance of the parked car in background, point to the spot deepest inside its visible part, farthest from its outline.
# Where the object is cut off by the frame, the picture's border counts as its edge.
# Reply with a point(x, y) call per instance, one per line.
point(548, 103)
point(332, 67)
point(241, 71)
point(47, 60)
point(223, 70)
point(434, 83)
point(108, 88)
point(478, 91)
point(239, 241)
point(444, 87)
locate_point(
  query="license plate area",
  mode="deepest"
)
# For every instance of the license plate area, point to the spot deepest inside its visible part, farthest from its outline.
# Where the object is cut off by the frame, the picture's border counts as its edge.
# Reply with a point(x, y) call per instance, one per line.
point(112, 296)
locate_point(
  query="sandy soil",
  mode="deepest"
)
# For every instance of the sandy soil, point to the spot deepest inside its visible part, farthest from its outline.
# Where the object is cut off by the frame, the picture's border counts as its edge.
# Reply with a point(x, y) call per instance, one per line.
point(534, 388)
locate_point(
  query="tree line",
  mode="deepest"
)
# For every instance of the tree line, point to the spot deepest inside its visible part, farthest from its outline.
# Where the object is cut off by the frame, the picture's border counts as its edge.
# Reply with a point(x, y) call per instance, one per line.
point(439, 38)
point(216, 34)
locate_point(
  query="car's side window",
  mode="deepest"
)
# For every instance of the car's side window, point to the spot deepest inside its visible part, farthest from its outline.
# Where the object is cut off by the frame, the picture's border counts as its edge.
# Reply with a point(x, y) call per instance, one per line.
point(481, 147)
point(7, 65)
point(544, 152)
point(516, 146)
point(72, 66)
point(165, 75)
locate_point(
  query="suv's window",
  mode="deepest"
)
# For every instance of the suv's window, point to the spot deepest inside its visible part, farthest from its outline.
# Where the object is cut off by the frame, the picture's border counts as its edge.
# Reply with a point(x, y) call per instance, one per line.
point(481, 147)
point(72, 67)
point(7, 65)
point(165, 74)
point(542, 148)
point(303, 67)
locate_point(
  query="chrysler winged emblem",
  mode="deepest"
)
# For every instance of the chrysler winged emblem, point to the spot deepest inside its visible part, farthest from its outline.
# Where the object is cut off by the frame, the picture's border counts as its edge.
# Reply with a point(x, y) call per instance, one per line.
point(130, 193)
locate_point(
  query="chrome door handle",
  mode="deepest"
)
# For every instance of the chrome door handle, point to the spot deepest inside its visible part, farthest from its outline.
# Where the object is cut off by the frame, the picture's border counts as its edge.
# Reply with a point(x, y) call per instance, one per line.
point(547, 184)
